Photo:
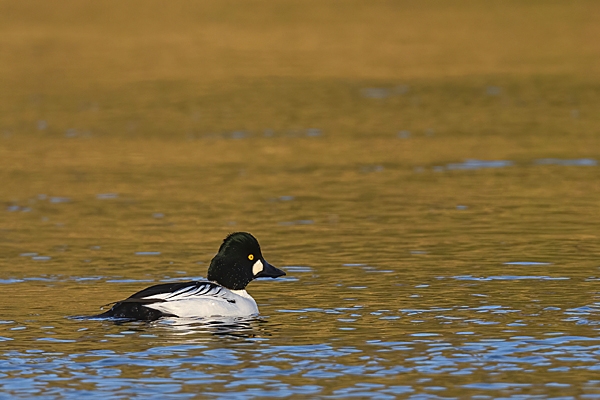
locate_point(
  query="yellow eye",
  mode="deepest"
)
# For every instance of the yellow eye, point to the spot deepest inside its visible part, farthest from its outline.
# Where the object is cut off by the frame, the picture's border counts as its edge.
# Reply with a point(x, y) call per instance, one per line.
point(250, 257)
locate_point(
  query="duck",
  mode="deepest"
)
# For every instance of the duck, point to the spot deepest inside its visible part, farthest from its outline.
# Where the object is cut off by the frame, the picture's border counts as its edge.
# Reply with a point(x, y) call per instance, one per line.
point(238, 262)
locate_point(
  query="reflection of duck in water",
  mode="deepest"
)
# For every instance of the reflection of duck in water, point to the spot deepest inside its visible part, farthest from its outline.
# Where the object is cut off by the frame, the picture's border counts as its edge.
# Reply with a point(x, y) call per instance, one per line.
point(237, 263)
point(197, 330)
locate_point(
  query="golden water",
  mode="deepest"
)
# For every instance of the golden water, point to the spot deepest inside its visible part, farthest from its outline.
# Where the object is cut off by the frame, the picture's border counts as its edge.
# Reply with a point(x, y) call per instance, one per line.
point(436, 213)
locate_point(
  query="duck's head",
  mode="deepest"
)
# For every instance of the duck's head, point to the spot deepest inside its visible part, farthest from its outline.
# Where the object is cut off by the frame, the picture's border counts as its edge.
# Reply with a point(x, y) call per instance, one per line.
point(239, 261)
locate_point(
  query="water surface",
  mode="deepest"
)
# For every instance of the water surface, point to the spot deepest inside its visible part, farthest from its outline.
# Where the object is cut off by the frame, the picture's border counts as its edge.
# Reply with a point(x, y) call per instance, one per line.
point(425, 172)
point(469, 278)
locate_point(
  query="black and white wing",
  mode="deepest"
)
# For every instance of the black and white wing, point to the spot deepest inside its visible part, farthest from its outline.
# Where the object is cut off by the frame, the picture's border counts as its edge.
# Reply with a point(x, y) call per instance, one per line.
point(136, 307)
point(182, 291)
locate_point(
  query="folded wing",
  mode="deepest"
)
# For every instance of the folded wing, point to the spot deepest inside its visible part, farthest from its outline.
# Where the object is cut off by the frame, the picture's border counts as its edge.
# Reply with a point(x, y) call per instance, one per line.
point(139, 305)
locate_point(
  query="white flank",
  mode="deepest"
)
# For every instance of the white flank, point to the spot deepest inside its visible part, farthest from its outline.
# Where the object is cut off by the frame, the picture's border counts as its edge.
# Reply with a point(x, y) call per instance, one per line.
point(210, 306)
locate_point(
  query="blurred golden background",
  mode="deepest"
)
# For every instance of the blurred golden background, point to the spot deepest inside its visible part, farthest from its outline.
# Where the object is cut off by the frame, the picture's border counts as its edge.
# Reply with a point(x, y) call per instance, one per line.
point(167, 69)
point(63, 45)
point(106, 96)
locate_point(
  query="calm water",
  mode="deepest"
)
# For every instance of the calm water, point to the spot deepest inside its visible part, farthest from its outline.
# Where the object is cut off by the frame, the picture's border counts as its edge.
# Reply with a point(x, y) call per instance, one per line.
point(441, 278)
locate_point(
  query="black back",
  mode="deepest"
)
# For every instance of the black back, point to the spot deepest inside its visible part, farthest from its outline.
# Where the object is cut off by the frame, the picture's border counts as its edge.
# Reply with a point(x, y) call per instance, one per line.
point(132, 312)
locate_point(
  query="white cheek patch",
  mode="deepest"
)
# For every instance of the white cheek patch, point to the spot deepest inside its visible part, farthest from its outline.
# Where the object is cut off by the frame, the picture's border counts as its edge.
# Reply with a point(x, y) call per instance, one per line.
point(257, 267)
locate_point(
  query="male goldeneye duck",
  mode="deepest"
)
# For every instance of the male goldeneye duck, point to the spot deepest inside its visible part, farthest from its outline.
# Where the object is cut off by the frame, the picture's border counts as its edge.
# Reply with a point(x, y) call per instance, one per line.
point(237, 263)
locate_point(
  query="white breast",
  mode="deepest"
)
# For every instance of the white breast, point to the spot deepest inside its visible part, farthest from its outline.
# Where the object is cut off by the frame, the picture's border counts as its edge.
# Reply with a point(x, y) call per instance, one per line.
point(229, 303)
